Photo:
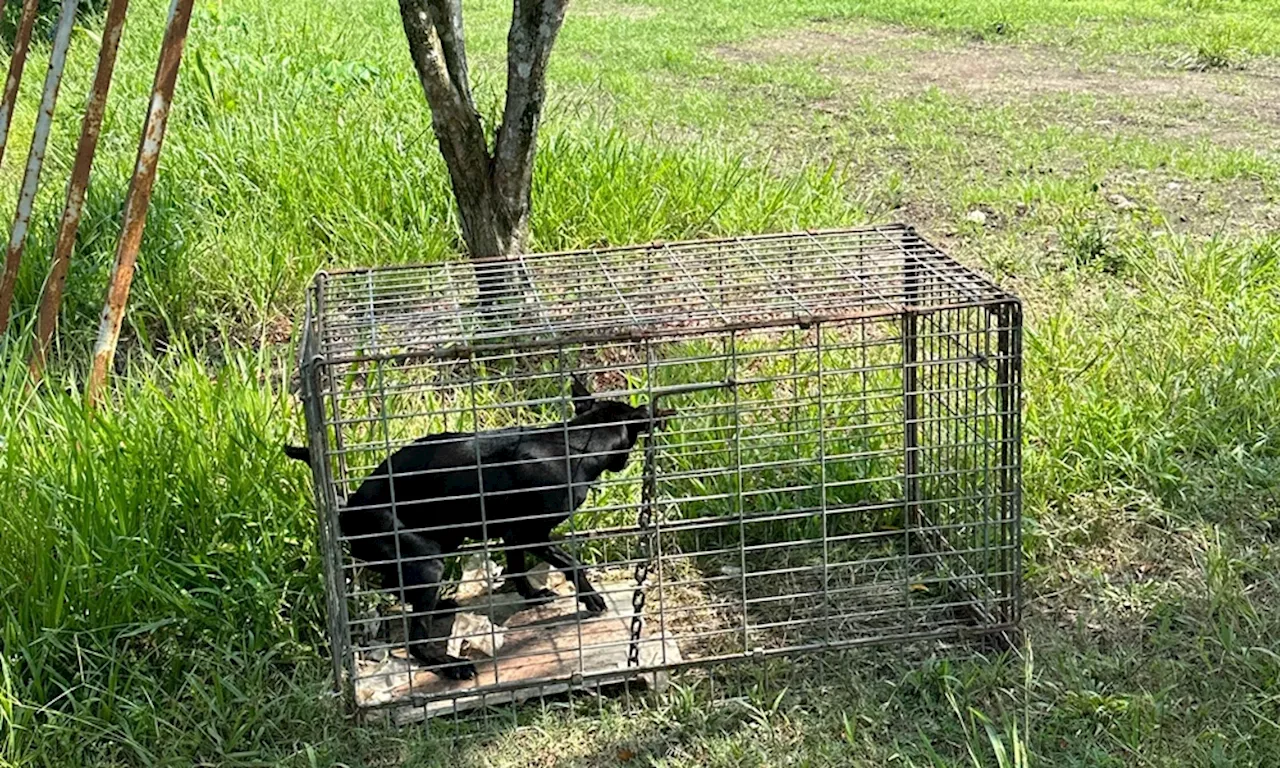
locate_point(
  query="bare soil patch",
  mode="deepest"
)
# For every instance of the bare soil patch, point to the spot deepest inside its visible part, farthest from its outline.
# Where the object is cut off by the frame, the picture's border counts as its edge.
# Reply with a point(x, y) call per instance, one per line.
point(1236, 107)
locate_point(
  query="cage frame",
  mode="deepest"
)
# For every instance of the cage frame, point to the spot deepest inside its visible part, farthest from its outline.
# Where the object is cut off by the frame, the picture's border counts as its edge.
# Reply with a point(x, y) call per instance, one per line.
point(911, 302)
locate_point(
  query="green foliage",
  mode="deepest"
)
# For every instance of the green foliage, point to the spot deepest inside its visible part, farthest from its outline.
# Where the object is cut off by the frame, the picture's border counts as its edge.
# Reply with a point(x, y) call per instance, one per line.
point(46, 17)
point(156, 552)
point(1219, 48)
point(1090, 244)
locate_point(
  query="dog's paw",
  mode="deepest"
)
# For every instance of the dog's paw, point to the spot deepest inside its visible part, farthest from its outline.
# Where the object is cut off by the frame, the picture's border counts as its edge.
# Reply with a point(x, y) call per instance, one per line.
point(456, 669)
point(541, 597)
point(448, 667)
point(593, 602)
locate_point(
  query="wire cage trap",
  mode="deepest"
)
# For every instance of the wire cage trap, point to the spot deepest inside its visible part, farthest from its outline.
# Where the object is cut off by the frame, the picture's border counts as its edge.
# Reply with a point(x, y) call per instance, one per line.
point(625, 461)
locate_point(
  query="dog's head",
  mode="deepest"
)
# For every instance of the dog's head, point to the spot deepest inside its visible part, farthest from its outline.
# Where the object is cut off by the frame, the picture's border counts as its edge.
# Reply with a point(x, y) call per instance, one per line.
point(621, 423)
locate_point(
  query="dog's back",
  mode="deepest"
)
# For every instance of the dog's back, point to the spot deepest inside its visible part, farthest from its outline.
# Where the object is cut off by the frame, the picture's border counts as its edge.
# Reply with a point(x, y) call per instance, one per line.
point(523, 480)
point(437, 486)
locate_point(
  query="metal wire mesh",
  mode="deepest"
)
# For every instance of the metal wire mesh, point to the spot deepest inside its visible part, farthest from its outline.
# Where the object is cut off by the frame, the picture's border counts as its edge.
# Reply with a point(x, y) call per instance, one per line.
point(824, 445)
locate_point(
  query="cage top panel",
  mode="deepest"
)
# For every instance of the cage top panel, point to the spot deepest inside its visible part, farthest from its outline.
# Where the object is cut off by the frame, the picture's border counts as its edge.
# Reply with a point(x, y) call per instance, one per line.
point(636, 292)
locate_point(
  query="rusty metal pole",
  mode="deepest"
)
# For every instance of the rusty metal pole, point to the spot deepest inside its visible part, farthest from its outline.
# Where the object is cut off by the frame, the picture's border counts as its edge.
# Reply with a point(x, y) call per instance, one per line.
point(139, 196)
point(35, 159)
point(21, 41)
point(77, 185)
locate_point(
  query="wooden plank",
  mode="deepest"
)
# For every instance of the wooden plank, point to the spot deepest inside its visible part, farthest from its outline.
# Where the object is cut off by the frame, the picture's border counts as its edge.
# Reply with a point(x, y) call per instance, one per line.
point(547, 642)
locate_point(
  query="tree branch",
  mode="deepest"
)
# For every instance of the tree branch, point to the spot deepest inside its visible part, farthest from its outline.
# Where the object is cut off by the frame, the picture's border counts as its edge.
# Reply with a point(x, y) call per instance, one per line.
point(446, 17)
point(534, 26)
point(492, 188)
point(456, 125)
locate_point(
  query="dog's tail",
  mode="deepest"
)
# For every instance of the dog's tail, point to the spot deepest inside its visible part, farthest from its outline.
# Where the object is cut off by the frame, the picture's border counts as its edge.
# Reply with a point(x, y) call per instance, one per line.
point(299, 452)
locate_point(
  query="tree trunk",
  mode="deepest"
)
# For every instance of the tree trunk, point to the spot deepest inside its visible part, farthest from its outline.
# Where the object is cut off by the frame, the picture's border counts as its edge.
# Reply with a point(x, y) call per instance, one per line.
point(491, 187)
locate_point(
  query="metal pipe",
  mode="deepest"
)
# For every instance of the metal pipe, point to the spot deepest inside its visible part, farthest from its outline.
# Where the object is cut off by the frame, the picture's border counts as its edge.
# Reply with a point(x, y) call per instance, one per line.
point(139, 196)
point(17, 61)
point(35, 159)
point(77, 185)
point(311, 369)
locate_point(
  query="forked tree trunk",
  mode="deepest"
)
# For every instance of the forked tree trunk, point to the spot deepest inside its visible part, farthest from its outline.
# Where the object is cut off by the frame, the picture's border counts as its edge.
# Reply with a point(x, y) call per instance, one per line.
point(491, 185)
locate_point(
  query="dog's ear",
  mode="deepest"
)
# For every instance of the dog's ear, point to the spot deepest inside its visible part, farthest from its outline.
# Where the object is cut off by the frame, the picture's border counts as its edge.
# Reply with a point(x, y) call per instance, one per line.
point(582, 399)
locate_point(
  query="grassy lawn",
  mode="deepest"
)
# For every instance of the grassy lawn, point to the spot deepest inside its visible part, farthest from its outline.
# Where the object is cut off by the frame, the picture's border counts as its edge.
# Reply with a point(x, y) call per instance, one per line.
point(159, 583)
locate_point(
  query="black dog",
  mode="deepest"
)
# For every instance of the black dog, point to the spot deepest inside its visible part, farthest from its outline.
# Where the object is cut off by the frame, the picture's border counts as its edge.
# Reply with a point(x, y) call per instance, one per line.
point(520, 493)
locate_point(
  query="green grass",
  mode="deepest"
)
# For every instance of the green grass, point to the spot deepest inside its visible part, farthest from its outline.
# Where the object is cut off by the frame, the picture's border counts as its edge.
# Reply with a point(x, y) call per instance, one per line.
point(159, 584)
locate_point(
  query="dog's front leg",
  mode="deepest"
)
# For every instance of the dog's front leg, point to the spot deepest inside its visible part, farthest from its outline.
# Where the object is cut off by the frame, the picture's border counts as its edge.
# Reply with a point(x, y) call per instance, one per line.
point(574, 571)
point(517, 569)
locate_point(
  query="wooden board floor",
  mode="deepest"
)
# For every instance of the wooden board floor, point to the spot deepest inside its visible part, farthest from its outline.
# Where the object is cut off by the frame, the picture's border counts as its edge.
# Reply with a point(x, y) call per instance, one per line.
point(547, 642)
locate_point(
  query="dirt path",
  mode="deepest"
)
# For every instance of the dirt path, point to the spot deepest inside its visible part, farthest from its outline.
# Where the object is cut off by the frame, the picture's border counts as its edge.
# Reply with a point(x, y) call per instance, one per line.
point(1234, 107)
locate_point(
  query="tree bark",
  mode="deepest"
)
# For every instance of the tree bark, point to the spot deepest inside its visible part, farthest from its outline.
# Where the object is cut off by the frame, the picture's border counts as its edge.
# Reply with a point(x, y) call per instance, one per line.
point(491, 187)
point(534, 26)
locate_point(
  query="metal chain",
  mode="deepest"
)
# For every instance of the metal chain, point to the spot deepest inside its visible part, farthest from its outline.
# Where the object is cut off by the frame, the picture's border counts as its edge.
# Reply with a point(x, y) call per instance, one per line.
point(644, 524)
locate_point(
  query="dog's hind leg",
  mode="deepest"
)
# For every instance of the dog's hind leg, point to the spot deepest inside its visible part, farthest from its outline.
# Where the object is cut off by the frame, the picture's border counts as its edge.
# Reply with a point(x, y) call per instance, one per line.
point(429, 638)
point(412, 566)
point(421, 570)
